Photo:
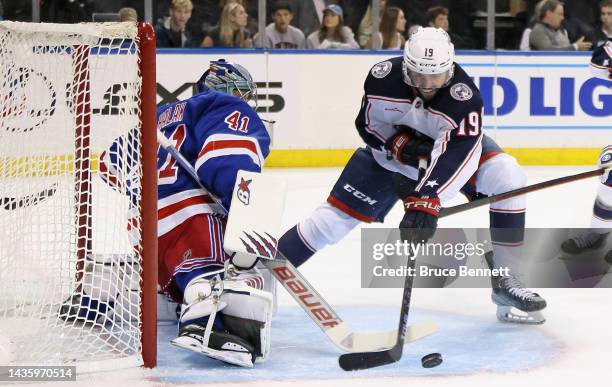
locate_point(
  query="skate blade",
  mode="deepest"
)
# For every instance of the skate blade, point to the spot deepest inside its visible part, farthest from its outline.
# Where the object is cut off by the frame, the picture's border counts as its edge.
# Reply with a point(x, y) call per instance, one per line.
point(513, 315)
point(195, 345)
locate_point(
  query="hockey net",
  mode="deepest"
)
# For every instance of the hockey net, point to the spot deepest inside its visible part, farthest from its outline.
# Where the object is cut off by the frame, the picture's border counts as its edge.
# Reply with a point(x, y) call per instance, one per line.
point(75, 239)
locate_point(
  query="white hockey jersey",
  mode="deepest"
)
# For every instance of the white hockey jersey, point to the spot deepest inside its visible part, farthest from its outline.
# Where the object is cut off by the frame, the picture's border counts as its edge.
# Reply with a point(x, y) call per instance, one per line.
point(601, 61)
point(453, 118)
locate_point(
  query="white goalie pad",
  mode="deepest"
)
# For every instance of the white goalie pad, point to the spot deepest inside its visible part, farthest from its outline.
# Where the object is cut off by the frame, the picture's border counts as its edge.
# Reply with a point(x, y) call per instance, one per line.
point(254, 220)
point(269, 284)
point(253, 304)
point(239, 295)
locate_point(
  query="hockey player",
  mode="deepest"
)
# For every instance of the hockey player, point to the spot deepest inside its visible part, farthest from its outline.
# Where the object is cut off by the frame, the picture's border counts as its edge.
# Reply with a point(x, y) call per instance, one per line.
point(595, 237)
point(225, 313)
point(601, 61)
point(423, 105)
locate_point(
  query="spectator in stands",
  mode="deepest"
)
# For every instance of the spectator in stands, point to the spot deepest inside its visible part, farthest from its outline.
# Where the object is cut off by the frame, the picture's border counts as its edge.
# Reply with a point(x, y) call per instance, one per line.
point(280, 34)
point(333, 33)
point(128, 14)
point(581, 16)
point(524, 44)
point(548, 34)
point(438, 17)
point(252, 9)
point(206, 15)
point(161, 8)
point(460, 14)
point(354, 10)
point(603, 32)
point(171, 30)
point(414, 10)
point(308, 14)
point(365, 27)
point(231, 31)
point(392, 29)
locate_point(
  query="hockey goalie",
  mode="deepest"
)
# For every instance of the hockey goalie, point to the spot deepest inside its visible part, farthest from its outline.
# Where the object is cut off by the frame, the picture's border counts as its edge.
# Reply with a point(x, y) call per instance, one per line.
point(225, 311)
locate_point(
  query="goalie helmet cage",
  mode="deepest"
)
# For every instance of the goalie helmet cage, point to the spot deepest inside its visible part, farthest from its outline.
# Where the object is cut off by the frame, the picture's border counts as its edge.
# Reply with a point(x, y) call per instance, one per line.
point(78, 195)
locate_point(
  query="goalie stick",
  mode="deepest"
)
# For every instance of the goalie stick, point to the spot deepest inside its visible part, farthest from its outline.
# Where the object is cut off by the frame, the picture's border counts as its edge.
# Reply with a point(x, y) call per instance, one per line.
point(322, 314)
point(13, 203)
point(339, 332)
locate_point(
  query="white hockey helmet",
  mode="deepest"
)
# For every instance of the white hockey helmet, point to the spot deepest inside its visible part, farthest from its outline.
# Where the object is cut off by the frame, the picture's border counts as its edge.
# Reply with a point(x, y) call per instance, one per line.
point(429, 59)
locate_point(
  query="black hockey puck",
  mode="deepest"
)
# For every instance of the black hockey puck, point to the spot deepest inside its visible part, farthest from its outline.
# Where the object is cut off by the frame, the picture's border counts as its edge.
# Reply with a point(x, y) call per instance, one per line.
point(431, 360)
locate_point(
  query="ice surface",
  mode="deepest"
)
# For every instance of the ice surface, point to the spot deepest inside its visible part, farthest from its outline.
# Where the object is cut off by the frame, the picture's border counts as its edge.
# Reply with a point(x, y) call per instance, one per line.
point(573, 346)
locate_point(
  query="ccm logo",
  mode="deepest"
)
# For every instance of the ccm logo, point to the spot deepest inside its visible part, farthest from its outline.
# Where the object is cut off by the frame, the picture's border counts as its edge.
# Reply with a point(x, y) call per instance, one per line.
point(306, 296)
point(359, 195)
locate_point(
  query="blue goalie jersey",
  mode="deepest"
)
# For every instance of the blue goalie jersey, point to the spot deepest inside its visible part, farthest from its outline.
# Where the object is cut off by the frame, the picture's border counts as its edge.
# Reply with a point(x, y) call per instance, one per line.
point(218, 134)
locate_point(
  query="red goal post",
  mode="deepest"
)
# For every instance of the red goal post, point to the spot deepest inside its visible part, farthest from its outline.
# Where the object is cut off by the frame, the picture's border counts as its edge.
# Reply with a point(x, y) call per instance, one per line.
point(78, 250)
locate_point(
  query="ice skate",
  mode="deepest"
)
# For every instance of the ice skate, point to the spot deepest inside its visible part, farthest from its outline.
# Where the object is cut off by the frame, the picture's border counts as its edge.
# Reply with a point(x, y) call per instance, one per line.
point(515, 303)
point(588, 240)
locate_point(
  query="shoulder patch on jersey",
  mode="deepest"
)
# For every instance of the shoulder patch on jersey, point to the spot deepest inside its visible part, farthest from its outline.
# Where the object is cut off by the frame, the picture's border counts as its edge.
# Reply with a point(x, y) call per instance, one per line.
point(382, 69)
point(461, 92)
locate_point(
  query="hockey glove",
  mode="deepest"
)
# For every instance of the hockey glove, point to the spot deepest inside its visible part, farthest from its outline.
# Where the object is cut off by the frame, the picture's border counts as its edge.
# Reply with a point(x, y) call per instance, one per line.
point(421, 218)
point(408, 146)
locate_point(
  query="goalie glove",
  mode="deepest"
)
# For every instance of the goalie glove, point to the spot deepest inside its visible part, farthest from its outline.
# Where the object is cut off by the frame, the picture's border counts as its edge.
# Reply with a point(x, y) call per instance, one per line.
point(605, 161)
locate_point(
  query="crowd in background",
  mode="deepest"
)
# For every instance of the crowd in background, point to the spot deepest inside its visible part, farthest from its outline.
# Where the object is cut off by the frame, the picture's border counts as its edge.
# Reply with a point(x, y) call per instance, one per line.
point(343, 24)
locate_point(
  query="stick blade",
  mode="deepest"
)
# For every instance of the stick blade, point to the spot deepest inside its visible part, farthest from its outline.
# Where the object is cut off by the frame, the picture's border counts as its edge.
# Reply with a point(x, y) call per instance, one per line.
point(365, 360)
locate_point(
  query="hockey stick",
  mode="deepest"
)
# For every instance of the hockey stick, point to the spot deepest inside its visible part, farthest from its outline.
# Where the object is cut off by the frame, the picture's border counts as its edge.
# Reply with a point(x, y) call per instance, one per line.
point(370, 359)
point(519, 191)
point(324, 316)
point(13, 203)
point(321, 313)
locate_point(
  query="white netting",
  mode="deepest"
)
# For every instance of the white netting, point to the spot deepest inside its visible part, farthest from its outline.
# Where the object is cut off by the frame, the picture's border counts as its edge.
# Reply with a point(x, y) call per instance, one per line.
point(69, 276)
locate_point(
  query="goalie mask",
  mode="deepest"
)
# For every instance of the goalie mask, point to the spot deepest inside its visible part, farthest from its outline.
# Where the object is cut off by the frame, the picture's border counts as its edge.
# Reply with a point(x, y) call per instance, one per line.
point(428, 60)
point(229, 78)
